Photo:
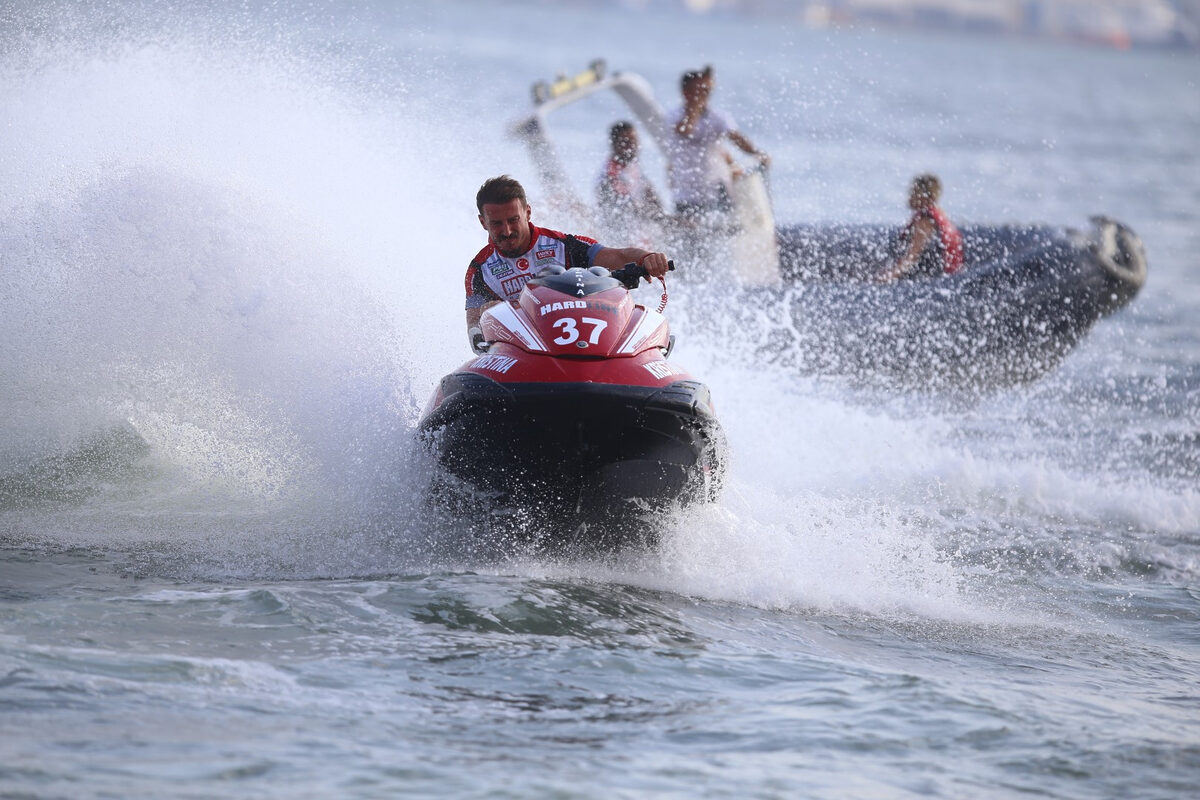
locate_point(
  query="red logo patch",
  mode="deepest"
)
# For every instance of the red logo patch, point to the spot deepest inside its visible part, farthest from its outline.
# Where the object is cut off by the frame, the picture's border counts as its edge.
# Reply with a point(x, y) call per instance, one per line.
point(522, 263)
point(540, 254)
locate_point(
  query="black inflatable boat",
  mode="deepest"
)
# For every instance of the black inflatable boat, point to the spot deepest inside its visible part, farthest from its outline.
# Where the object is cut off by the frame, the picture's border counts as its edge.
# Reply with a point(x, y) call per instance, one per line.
point(1026, 296)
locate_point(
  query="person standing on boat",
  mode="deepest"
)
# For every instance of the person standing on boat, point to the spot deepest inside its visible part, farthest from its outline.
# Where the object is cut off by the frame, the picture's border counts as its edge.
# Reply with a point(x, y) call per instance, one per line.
point(626, 200)
point(931, 244)
point(517, 250)
point(700, 168)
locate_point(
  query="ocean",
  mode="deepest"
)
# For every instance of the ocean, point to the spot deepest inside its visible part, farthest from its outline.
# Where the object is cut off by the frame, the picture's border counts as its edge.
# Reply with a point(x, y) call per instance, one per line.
point(232, 241)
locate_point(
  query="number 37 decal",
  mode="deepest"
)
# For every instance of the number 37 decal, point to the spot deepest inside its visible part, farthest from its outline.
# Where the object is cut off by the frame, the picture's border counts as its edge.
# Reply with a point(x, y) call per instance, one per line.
point(570, 332)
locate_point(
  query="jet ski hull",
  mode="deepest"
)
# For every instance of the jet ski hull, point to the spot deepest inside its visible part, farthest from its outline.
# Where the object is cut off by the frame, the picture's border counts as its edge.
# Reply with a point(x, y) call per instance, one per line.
point(571, 453)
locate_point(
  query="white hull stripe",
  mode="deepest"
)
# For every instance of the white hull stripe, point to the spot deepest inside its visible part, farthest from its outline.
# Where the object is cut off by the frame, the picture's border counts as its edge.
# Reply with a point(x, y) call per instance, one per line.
point(645, 328)
point(506, 316)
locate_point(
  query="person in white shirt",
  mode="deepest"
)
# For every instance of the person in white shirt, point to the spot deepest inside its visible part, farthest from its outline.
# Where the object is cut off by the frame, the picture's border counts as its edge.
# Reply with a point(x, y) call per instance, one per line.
point(700, 168)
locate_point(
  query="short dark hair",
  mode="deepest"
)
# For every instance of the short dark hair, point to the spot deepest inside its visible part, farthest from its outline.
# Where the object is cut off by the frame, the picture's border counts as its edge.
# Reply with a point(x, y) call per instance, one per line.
point(500, 189)
point(695, 75)
point(927, 186)
point(617, 129)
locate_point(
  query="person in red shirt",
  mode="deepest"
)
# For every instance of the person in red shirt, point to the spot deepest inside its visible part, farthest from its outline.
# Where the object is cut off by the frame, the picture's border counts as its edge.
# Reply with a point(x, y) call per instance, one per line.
point(931, 244)
point(625, 197)
point(517, 250)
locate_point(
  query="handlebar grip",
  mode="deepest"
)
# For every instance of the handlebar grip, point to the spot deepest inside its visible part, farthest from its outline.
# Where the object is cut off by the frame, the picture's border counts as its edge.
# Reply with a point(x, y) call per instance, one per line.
point(632, 273)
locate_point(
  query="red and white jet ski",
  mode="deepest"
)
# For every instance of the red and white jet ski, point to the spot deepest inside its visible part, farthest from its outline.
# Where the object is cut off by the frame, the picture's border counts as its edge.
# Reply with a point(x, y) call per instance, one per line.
point(571, 410)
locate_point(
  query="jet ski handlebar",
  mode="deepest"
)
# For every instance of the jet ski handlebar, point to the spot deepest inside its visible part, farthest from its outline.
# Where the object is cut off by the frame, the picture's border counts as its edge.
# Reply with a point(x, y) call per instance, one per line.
point(632, 273)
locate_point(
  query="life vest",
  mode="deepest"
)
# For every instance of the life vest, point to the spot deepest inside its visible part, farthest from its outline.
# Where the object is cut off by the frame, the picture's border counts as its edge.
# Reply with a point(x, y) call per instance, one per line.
point(622, 180)
point(950, 241)
point(945, 256)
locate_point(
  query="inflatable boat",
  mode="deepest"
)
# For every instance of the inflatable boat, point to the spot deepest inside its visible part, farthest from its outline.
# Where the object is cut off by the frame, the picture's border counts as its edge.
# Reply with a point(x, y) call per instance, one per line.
point(1027, 295)
point(1025, 298)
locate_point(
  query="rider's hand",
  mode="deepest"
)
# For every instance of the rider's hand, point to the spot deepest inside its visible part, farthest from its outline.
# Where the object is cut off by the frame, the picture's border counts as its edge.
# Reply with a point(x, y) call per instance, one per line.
point(475, 337)
point(655, 264)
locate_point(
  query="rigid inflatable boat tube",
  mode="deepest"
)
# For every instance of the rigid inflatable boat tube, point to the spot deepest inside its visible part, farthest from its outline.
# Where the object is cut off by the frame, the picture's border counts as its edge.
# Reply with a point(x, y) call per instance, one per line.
point(1119, 251)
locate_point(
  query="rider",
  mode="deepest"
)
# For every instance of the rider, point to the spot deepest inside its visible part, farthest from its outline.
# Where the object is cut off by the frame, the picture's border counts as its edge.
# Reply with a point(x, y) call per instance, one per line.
point(932, 244)
point(517, 250)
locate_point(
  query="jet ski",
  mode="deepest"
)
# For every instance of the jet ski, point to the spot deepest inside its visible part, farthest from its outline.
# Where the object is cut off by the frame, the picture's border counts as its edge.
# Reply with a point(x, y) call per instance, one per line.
point(571, 419)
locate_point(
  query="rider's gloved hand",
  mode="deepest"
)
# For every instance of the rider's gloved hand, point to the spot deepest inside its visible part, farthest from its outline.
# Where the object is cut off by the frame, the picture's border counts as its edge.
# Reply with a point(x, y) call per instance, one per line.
point(475, 337)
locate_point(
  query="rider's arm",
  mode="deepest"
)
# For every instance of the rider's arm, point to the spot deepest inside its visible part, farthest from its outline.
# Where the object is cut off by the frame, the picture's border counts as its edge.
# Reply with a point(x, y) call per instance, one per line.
point(746, 146)
point(479, 297)
point(653, 206)
point(474, 331)
point(922, 231)
point(473, 314)
point(479, 294)
point(687, 120)
point(617, 257)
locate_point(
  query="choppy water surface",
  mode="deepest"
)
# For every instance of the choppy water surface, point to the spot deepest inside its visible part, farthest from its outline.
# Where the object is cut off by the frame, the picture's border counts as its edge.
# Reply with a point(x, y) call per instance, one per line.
point(231, 246)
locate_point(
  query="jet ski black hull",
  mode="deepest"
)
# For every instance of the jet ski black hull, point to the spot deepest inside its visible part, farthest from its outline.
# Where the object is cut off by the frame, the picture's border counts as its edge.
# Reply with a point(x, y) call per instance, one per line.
point(559, 455)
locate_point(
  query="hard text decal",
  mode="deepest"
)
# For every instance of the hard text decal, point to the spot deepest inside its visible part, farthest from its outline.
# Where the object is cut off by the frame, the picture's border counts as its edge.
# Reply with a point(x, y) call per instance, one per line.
point(582, 304)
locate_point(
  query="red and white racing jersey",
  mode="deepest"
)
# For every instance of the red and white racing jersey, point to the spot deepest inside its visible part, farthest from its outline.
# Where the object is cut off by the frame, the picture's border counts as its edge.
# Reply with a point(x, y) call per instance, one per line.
point(492, 276)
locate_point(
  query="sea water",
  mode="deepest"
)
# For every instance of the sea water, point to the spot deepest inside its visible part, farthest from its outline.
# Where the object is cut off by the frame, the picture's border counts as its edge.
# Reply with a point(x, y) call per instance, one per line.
point(232, 240)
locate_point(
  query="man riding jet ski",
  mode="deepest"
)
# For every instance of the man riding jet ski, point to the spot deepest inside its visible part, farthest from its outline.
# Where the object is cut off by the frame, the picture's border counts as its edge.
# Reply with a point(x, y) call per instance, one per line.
point(571, 414)
point(517, 250)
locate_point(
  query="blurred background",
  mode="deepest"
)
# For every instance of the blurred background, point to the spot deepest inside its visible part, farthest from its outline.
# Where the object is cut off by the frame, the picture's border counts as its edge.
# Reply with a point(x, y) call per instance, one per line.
point(1118, 23)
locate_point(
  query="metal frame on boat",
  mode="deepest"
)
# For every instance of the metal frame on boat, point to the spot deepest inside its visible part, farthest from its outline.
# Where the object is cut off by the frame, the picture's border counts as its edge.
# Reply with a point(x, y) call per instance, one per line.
point(752, 250)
